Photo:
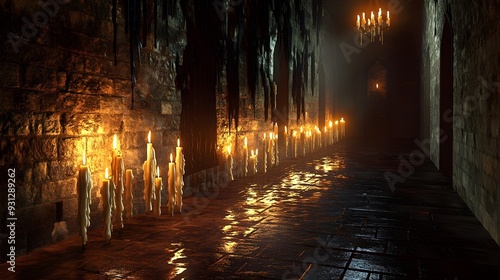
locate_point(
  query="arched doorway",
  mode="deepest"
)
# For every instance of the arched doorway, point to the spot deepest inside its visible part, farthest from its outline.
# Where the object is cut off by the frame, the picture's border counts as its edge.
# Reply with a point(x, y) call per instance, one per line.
point(446, 102)
point(377, 119)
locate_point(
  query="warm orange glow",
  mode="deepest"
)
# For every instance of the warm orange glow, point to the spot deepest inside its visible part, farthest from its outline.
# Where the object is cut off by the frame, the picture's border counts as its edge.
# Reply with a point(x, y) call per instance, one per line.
point(387, 14)
point(253, 153)
point(257, 152)
point(325, 128)
point(342, 120)
point(246, 143)
point(264, 136)
point(115, 143)
point(106, 174)
point(270, 135)
point(178, 142)
point(229, 149)
point(84, 158)
point(171, 157)
point(286, 130)
point(331, 124)
point(157, 172)
point(336, 122)
point(377, 86)
point(301, 129)
point(149, 137)
point(294, 133)
point(275, 136)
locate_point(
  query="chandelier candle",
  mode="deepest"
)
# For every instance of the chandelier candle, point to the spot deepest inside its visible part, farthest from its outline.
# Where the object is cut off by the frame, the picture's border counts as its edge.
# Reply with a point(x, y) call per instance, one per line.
point(84, 187)
point(117, 171)
point(149, 168)
point(180, 165)
point(171, 186)
point(158, 188)
point(129, 177)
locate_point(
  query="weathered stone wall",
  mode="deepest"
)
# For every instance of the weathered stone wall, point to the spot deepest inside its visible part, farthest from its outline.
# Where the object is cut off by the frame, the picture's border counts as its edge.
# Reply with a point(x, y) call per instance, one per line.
point(61, 95)
point(476, 121)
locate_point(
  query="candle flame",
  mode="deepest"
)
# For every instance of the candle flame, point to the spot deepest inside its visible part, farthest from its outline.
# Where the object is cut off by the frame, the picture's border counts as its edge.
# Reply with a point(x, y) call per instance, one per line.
point(149, 137)
point(325, 128)
point(342, 120)
point(178, 142)
point(275, 136)
point(387, 14)
point(331, 124)
point(253, 153)
point(336, 122)
point(264, 135)
point(229, 149)
point(377, 86)
point(157, 172)
point(115, 144)
point(106, 174)
point(84, 158)
point(286, 130)
point(301, 129)
point(246, 142)
point(171, 158)
point(257, 152)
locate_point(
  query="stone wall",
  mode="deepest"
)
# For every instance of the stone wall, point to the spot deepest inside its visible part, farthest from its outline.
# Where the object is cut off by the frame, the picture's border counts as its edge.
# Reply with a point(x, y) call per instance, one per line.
point(476, 105)
point(61, 95)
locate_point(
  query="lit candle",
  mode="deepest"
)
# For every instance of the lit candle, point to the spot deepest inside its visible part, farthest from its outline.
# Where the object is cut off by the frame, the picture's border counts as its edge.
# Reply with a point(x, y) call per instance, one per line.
point(117, 171)
point(251, 162)
point(294, 144)
point(286, 142)
point(264, 154)
point(270, 151)
point(149, 174)
point(332, 138)
point(180, 165)
point(229, 164)
point(84, 187)
point(342, 128)
point(363, 23)
point(388, 21)
point(107, 196)
point(357, 23)
point(276, 151)
point(318, 137)
point(337, 139)
point(129, 177)
point(245, 157)
point(302, 141)
point(171, 186)
point(158, 188)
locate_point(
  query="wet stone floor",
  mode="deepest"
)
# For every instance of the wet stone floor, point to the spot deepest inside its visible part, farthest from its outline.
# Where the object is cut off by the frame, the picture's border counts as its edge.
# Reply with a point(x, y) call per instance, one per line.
point(329, 215)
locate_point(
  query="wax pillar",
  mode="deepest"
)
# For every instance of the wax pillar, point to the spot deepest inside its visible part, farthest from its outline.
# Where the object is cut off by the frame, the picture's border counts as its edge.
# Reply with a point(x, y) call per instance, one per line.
point(171, 186)
point(117, 171)
point(245, 158)
point(149, 175)
point(229, 167)
point(158, 188)
point(84, 187)
point(180, 165)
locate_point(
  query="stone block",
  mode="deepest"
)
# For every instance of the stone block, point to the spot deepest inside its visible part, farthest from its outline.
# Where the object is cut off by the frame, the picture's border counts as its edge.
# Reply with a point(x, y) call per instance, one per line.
point(71, 148)
point(10, 74)
point(90, 84)
point(40, 172)
point(40, 79)
point(82, 124)
point(62, 169)
point(55, 191)
point(42, 149)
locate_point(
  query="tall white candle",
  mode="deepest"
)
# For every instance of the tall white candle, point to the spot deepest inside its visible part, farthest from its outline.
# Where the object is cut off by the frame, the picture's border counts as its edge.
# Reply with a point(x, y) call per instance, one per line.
point(117, 171)
point(149, 174)
point(158, 188)
point(229, 168)
point(332, 133)
point(129, 191)
point(108, 206)
point(270, 150)
point(180, 165)
point(171, 186)
point(245, 157)
point(294, 144)
point(251, 163)
point(84, 187)
point(276, 150)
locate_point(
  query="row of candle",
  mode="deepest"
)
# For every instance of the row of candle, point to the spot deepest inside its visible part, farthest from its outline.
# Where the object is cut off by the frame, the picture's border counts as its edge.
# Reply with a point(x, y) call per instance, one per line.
point(113, 189)
point(297, 143)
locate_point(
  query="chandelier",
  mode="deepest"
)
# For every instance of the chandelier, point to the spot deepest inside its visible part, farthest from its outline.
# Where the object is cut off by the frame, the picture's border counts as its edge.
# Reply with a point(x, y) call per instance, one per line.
point(373, 28)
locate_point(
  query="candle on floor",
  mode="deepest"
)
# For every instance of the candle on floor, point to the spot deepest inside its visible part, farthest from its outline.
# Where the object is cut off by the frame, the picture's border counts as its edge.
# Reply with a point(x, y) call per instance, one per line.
point(171, 186)
point(107, 194)
point(180, 165)
point(229, 168)
point(332, 131)
point(337, 138)
point(276, 151)
point(270, 151)
point(245, 157)
point(84, 187)
point(129, 177)
point(117, 171)
point(264, 154)
point(158, 188)
point(149, 168)
point(302, 142)
point(251, 163)
point(319, 141)
point(286, 142)
point(294, 144)
point(342, 128)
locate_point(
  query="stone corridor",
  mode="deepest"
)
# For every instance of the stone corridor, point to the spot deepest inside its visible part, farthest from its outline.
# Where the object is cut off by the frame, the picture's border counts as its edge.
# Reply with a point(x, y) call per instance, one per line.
point(330, 215)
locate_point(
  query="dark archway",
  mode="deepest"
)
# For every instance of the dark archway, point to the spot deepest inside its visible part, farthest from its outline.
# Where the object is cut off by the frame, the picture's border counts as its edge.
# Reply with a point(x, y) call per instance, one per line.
point(446, 101)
